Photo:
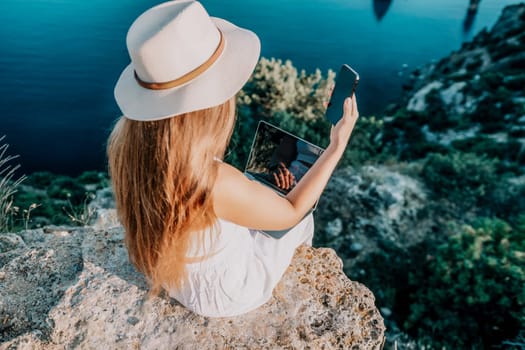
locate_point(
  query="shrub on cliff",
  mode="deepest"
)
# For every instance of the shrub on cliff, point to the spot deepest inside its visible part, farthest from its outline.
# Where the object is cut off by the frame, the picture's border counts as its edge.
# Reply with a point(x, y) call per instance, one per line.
point(508, 151)
point(57, 199)
point(66, 188)
point(470, 293)
point(40, 179)
point(462, 178)
point(277, 86)
point(492, 109)
point(507, 200)
point(93, 178)
point(436, 115)
point(403, 137)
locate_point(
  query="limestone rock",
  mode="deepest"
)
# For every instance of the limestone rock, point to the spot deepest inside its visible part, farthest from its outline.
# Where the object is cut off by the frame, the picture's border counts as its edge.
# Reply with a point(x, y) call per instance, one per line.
point(104, 206)
point(76, 289)
point(417, 102)
point(105, 219)
point(103, 199)
point(34, 281)
point(373, 204)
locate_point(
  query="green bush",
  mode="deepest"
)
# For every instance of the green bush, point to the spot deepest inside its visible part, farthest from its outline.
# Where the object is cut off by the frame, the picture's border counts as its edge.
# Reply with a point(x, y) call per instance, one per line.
point(505, 50)
point(402, 137)
point(436, 115)
point(59, 199)
point(26, 199)
point(93, 178)
point(470, 293)
point(66, 188)
point(387, 276)
point(475, 63)
point(40, 179)
point(277, 86)
point(491, 110)
point(507, 199)
point(489, 81)
point(516, 82)
point(366, 144)
point(485, 146)
point(462, 178)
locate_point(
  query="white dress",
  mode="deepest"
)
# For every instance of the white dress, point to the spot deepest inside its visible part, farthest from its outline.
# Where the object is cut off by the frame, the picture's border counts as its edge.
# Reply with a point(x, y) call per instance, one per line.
point(242, 271)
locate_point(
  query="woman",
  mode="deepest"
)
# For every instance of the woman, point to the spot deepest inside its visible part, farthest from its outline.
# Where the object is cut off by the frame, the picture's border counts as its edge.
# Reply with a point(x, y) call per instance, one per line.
point(192, 221)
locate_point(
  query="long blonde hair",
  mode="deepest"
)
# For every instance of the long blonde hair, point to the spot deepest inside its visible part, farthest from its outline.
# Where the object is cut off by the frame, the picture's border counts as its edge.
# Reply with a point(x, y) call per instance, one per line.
point(163, 173)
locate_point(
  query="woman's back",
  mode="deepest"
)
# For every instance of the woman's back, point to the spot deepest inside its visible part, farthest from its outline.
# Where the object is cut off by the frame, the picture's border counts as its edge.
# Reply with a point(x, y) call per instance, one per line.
point(241, 270)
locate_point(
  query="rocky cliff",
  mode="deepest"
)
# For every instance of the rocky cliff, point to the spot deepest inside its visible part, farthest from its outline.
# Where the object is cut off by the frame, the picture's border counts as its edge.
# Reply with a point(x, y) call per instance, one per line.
point(74, 288)
point(472, 100)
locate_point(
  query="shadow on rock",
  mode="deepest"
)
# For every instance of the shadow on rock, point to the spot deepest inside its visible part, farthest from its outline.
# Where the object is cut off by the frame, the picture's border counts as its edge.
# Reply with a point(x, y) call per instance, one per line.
point(105, 249)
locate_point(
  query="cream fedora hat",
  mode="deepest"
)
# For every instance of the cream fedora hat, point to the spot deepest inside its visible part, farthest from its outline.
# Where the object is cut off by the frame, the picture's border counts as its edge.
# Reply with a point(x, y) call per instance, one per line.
point(183, 60)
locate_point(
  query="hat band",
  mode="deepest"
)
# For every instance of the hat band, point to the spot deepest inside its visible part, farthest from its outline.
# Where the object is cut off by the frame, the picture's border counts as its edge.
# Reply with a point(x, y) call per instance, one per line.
point(188, 76)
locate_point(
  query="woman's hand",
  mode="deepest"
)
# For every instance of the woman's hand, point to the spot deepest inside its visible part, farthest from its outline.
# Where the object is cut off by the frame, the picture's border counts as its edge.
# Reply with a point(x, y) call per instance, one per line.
point(340, 133)
point(283, 178)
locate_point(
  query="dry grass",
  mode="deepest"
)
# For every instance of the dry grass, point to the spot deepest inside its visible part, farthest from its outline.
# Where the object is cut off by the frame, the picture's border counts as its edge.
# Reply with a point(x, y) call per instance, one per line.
point(8, 186)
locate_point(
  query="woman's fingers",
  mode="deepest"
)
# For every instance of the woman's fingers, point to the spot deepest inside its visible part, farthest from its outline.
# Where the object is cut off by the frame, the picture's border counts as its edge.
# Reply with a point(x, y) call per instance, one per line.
point(279, 178)
point(347, 108)
point(282, 174)
point(355, 112)
point(276, 179)
point(291, 178)
point(283, 177)
point(350, 107)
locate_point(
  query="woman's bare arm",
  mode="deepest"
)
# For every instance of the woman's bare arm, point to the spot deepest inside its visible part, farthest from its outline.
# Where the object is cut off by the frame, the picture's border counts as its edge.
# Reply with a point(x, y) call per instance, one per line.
point(248, 203)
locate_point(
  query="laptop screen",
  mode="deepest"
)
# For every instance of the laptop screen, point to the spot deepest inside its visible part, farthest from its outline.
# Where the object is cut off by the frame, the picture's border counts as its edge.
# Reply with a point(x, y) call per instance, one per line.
point(279, 159)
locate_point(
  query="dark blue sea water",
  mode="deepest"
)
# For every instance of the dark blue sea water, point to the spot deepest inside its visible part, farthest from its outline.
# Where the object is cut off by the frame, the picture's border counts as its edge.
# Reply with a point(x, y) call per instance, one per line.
point(59, 59)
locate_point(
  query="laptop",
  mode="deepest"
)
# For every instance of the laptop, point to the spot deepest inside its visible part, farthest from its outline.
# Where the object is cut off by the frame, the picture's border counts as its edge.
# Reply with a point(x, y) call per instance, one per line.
point(279, 160)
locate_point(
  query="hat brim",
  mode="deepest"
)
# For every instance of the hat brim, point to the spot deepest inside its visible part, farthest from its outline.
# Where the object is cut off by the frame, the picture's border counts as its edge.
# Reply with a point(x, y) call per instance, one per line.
point(221, 81)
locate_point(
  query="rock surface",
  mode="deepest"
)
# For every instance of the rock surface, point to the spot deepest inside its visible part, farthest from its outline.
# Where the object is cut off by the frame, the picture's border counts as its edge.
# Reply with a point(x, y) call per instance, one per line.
point(64, 288)
point(367, 209)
